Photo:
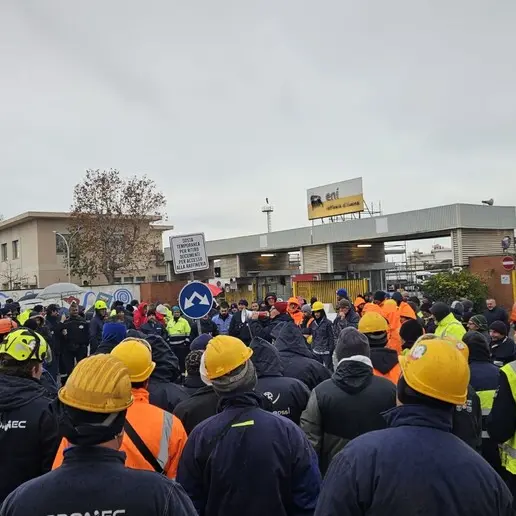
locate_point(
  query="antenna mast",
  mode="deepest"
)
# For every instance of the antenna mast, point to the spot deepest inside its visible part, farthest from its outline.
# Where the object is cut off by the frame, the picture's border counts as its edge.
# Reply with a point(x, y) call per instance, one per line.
point(268, 209)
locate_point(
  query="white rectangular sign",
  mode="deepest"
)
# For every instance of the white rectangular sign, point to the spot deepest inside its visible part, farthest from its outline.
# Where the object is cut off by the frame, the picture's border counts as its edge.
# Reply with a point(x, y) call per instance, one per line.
point(189, 253)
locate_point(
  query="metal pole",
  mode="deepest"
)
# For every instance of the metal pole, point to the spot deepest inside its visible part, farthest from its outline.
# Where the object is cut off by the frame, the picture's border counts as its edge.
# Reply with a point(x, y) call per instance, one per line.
point(67, 253)
point(198, 321)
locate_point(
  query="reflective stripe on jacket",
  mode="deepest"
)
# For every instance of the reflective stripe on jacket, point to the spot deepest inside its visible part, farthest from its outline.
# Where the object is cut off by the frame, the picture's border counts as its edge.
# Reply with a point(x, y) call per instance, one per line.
point(162, 432)
point(450, 327)
point(179, 327)
point(486, 404)
point(508, 448)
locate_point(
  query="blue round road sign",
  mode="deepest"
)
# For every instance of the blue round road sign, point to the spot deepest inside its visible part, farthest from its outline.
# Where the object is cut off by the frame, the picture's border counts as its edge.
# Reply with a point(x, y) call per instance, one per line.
point(195, 300)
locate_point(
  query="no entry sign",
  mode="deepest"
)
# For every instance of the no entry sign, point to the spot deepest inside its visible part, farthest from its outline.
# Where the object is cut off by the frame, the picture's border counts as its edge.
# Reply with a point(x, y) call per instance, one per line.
point(508, 263)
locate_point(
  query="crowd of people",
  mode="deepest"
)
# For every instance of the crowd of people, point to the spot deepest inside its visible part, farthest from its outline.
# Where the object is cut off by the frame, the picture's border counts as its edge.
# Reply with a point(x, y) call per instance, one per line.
point(399, 405)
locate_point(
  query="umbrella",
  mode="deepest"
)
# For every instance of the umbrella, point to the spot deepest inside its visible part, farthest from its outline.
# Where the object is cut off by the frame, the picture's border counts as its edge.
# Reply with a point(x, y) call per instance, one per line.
point(215, 291)
point(60, 290)
point(28, 297)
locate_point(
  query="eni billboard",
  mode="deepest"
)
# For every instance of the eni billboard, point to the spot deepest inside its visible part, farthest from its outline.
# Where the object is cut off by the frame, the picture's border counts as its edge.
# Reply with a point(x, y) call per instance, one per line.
point(335, 199)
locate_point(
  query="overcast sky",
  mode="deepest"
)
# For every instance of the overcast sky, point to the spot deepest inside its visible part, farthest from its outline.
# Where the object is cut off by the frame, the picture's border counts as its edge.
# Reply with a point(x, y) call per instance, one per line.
point(226, 102)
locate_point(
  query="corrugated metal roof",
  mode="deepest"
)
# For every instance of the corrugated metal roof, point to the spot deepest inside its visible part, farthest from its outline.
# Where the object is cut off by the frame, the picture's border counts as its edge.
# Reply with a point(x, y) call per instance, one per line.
point(410, 225)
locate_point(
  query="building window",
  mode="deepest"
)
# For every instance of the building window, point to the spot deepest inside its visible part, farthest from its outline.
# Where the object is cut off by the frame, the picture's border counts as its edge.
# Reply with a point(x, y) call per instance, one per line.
point(4, 252)
point(16, 249)
point(117, 281)
point(60, 244)
point(128, 279)
point(140, 279)
point(162, 277)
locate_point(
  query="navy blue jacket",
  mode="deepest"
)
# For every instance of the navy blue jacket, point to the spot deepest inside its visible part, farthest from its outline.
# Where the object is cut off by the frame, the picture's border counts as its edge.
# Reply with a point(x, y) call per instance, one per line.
point(96, 325)
point(287, 395)
point(246, 461)
point(28, 432)
point(94, 480)
point(297, 360)
point(415, 467)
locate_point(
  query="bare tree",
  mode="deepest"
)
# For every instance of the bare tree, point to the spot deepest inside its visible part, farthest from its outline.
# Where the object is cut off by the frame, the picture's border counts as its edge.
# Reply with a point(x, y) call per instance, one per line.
point(12, 277)
point(112, 217)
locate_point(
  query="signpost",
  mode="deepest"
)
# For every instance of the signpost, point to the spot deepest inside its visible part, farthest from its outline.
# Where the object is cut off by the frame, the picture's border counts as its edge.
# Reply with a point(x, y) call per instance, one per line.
point(189, 253)
point(195, 301)
point(508, 263)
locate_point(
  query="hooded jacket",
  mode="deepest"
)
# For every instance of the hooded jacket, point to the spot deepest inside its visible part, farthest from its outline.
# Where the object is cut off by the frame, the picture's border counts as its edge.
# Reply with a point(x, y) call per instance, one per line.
point(139, 316)
point(503, 351)
point(246, 460)
point(287, 395)
point(74, 333)
point(350, 404)
point(201, 405)
point(268, 330)
point(416, 465)
point(164, 393)
point(385, 363)
point(351, 320)
point(484, 378)
point(94, 478)
point(192, 383)
point(112, 334)
point(297, 360)
point(323, 342)
point(28, 432)
point(450, 327)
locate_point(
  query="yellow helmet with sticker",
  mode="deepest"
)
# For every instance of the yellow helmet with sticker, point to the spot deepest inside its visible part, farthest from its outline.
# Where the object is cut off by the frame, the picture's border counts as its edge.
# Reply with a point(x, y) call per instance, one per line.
point(25, 344)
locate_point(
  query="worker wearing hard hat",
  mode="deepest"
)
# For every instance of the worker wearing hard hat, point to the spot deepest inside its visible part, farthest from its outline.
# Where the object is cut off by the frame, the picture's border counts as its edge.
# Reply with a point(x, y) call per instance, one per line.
point(153, 439)
point(246, 460)
point(323, 337)
point(417, 465)
point(384, 360)
point(93, 479)
point(96, 325)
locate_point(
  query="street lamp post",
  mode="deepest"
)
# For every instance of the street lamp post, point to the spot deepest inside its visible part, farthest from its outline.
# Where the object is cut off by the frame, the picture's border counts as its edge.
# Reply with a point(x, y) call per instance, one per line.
point(67, 250)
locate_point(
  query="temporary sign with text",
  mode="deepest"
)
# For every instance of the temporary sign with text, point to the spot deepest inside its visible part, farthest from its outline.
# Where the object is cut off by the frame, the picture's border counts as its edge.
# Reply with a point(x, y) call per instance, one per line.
point(189, 253)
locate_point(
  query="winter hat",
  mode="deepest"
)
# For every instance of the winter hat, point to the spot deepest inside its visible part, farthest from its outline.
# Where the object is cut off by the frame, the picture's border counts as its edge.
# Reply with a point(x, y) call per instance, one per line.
point(281, 306)
point(397, 296)
point(499, 327)
point(175, 308)
point(440, 311)
point(380, 295)
point(351, 343)
point(426, 307)
point(344, 303)
point(200, 342)
point(243, 302)
point(457, 307)
point(480, 321)
point(114, 332)
point(270, 295)
point(342, 292)
point(193, 362)
point(306, 309)
point(410, 331)
point(467, 304)
point(161, 309)
point(241, 379)
point(478, 346)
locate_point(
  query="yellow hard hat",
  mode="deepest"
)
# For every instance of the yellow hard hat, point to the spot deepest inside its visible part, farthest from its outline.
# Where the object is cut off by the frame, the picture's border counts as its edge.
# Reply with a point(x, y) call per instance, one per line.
point(137, 356)
point(99, 384)
point(224, 354)
point(371, 322)
point(437, 368)
point(317, 306)
point(100, 305)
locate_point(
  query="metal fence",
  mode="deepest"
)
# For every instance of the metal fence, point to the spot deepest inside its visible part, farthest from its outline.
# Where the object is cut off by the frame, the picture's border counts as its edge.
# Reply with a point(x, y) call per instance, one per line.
point(325, 291)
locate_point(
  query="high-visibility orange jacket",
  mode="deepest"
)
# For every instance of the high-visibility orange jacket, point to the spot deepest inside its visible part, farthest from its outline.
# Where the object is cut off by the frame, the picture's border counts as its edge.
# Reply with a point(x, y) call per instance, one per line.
point(513, 313)
point(162, 432)
point(390, 312)
point(393, 375)
point(405, 310)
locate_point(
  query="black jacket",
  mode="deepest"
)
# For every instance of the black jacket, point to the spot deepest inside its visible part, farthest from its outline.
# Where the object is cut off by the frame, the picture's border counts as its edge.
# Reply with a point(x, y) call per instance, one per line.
point(350, 404)
point(270, 329)
point(323, 336)
point(94, 480)
point(501, 423)
point(287, 395)
point(74, 333)
point(239, 329)
point(53, 326)
point(497, 314)
point(207, 326)
point(502, 351)
point(192, 384)
point(297, 360)
point(467, 421)
point(153, 328)
point(28, 432)
point(200, 406)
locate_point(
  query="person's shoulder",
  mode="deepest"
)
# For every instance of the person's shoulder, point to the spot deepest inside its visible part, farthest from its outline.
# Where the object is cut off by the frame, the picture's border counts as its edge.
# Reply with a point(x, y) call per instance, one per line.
point(383, 383)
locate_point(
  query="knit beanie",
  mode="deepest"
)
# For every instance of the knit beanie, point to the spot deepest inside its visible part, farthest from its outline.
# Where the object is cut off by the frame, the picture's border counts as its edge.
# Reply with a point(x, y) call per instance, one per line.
point(397, 296)
point(281, 306)
point(480, 321)
point(499, 327)
point(306, 309)
point(241, 379)
point(478, 346)
point(380, 296)
point(351, 343)
point(440, 311)
point(457, 307)
point(193, 362)
point(410, 331)
point(426, 307)
point(200, 342)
